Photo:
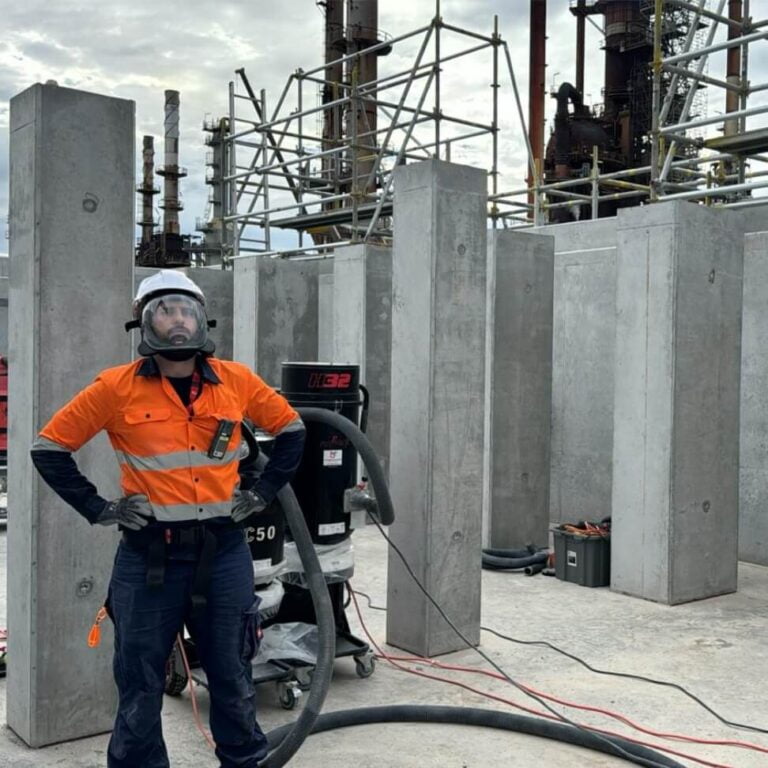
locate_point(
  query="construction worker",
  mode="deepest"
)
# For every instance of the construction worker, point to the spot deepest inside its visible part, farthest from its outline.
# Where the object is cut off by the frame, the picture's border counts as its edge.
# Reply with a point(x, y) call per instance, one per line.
point(173, 418)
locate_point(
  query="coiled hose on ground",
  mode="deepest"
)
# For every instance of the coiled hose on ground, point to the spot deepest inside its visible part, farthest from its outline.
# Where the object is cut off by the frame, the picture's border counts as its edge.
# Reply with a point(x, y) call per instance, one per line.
point(489, 718)
point(286, 740)
point(513, 559)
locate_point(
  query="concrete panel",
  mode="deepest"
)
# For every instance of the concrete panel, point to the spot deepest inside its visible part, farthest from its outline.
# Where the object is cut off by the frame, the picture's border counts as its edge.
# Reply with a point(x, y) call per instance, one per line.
point(362, 330)
point(521, 388)
point(325, 317)
point(753, 487)
point(244, 299)
point(436, 464)
point(753, 219)
point(676, 416)
point(71, 251)
point(217, 285)
point(276, 312)
point(582, 372)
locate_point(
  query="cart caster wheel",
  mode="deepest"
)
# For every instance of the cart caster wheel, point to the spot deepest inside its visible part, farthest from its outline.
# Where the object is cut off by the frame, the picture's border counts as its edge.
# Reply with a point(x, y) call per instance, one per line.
point(303, 677)
point(365, 666)
point(175, 675)
point(289, 695)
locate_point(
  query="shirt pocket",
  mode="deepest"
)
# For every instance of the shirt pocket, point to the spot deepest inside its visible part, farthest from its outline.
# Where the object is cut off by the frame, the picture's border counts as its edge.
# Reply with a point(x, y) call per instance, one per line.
point(147, 415)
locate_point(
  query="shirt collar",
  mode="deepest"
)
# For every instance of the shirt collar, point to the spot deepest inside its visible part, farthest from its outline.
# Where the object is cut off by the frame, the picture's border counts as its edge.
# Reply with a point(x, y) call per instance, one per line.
point(148, 367)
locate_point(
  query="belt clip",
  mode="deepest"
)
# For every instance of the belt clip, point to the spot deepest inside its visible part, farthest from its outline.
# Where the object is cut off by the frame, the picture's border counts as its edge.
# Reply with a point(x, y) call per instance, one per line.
point(168, 534)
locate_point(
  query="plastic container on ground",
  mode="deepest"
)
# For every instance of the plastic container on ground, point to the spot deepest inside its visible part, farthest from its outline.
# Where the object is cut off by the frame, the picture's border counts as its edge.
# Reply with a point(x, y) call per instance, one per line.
point(584, 560)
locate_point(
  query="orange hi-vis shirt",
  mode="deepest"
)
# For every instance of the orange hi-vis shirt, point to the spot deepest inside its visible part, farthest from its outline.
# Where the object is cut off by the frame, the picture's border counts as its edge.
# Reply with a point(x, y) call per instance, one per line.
point(161, 447)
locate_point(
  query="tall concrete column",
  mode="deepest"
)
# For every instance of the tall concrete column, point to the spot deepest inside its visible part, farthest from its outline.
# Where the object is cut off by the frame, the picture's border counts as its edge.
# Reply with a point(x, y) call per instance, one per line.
point(753, 487)
point(582, 369)
point(71, 251)
point(276, 312)
point(521, 276)
point(676, 414)
point(362, 330)
point(438, 381)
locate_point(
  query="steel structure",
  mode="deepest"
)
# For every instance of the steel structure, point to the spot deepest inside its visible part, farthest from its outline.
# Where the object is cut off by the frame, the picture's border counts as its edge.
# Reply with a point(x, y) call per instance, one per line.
point(684, 163)
point(278, 169)
point(282, 171)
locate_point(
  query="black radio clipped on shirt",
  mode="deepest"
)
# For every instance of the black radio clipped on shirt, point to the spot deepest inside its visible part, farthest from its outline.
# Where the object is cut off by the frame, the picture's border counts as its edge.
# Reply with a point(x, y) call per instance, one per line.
point(218, 447)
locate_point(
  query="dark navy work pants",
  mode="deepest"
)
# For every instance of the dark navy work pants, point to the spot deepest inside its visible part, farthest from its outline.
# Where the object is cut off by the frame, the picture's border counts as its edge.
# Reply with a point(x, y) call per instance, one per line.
point(147, 620)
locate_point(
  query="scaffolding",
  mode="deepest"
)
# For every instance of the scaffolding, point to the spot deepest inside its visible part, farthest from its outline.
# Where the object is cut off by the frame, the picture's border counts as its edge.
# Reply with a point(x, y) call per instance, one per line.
point(282, 186)
point(285, 179)
point(686, 161)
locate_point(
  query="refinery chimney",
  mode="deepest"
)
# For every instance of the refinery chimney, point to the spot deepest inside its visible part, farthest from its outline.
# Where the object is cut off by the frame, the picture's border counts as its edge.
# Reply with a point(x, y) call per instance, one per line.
point(148, 190)
point(171, 170)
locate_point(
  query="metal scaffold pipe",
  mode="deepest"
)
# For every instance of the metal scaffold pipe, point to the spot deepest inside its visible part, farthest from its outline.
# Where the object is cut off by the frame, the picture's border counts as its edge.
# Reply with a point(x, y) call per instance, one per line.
point(689, 96)
point(537, 85)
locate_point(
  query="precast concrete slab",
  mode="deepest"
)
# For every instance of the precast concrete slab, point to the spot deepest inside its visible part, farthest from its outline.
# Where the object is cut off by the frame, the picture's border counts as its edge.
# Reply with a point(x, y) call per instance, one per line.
point(521, 273)
point(276, 312)
point(362, 330)
point(217, 285)
point(437, 404)
point(676, 415)
point(71, 261)
point(582, 369)
point(325, 317)
point(753, 485)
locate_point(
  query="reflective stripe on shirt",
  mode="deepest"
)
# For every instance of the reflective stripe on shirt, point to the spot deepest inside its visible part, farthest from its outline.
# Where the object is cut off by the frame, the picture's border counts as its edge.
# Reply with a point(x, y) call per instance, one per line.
point(176, 460)
point(180, 512)
point(44, 444)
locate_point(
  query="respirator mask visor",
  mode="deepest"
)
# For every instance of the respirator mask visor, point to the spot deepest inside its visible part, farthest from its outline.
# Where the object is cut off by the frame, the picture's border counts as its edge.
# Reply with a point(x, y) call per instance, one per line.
point(174, 323)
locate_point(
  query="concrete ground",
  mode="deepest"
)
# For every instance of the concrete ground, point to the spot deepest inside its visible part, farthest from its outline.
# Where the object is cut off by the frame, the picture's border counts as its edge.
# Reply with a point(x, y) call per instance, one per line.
point(716, 648)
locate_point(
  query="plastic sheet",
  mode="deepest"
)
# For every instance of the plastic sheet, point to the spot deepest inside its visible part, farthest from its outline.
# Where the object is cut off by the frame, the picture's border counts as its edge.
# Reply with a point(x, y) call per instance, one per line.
point(264, 572)
point(294, 642)
point(271, 598)
point(336, 560)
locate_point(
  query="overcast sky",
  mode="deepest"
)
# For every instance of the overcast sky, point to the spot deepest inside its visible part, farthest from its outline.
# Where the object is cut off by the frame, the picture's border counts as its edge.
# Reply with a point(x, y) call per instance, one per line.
point(136, 50)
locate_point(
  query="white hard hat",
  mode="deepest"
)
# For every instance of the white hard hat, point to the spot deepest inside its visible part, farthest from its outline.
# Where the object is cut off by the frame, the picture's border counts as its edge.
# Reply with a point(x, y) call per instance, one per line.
point(165, 281)
point(170, 284)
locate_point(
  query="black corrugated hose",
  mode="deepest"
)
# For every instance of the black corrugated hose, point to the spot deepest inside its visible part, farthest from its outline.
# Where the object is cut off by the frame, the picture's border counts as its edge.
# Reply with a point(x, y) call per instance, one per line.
point(489, 718)
point(285, 747)
point(286, 740)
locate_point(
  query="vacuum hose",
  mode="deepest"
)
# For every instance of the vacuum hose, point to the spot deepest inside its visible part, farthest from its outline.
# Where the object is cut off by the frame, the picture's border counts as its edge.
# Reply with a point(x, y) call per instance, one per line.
point(285, 747)
point(489, 718)
point(512, 563)
point(286, 740)
point(513, 559)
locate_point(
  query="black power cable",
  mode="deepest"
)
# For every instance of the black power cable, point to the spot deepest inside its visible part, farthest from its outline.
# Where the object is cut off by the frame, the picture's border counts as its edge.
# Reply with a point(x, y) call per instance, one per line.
point(310, 721)
point(629, 676)
point(612, 747)
point(598, 671)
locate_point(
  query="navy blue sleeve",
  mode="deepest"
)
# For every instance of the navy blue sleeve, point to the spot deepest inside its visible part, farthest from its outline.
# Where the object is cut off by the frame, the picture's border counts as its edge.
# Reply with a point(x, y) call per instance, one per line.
point(283, 463)
point(60, 471)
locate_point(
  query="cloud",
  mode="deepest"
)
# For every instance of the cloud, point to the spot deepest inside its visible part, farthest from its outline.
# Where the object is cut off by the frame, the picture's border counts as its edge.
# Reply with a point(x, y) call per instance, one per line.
point(137, 50)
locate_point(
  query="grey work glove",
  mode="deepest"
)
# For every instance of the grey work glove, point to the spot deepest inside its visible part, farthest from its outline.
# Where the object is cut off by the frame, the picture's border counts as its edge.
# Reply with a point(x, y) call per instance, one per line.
point(130, 511)
point(245, 504)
